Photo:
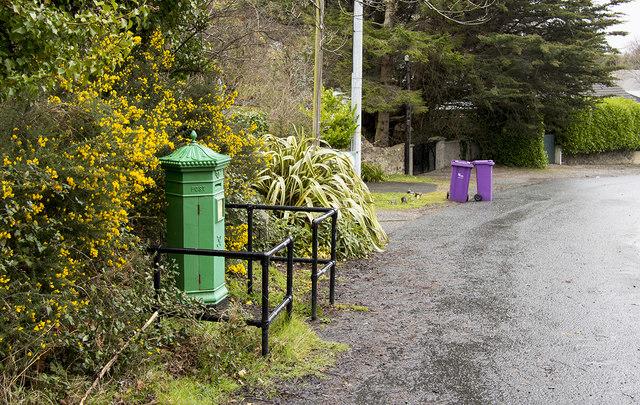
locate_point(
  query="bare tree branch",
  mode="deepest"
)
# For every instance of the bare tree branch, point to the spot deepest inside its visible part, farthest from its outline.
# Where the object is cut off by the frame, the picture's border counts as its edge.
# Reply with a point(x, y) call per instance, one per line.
point(457, 11)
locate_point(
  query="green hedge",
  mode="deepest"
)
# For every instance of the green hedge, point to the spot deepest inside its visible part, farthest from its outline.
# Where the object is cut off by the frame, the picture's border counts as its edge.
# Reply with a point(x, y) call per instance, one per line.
point(613, 124)
point(512, 142)
point(520, 144)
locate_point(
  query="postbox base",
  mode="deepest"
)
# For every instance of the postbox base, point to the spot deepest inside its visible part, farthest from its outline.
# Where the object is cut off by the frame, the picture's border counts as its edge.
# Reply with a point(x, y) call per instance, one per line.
point(210, 297)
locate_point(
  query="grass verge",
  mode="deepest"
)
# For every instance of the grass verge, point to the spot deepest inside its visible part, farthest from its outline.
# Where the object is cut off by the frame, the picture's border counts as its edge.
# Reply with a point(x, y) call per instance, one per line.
point(214, 363)
point(393, 201)
point(403, 178)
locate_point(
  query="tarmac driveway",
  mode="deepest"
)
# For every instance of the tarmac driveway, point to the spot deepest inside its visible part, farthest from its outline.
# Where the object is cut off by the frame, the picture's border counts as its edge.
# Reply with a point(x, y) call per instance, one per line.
point(532, 298)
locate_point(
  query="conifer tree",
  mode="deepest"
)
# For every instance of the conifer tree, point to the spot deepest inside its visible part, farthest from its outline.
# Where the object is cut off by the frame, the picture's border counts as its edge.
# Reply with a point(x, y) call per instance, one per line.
point(523, 61)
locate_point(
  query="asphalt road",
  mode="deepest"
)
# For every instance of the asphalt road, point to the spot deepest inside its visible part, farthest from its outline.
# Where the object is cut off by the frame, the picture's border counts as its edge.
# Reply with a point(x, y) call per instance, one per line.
point(532, 298)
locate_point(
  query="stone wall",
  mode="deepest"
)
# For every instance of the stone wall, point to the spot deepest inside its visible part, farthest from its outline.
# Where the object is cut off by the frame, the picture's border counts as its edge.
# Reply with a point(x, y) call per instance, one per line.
point(472, 152)
point(446, 151)
point(604, 158)
point(391, 159)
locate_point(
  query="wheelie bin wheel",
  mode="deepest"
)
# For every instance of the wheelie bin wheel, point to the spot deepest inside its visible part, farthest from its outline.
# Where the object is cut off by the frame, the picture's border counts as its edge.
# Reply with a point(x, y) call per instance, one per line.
point(477, 197)
point(447, 195)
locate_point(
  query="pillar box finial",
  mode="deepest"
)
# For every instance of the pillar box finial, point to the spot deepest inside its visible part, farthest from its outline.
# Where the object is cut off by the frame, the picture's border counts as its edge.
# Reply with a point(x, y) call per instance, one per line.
point(195, 217)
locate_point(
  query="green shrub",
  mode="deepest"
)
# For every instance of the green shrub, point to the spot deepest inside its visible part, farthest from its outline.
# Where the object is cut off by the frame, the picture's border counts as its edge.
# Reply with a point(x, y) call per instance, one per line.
point(44, 42)
point(256, 121)
point(80, 198)
point(520, 144)
point(338, 120)
point(372, 173)
point(613, 124)
point(303, 174)
point(511, 140)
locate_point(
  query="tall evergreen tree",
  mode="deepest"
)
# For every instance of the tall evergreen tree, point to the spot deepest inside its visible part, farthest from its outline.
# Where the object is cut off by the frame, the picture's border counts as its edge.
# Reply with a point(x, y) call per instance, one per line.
point(393, 30)
point(540, 55)
point(529, 61)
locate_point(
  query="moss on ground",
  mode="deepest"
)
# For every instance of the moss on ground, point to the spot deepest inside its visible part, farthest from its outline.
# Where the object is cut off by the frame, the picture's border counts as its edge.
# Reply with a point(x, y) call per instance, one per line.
point(352, 307)
point(221, 362)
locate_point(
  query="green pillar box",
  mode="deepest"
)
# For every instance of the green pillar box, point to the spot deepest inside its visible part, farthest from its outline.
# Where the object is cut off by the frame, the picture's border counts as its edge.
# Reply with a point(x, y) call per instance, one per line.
point(195, 217)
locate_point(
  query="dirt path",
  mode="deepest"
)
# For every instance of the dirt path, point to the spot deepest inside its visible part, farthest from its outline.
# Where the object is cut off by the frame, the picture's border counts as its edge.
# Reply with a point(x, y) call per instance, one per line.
point(531, 298)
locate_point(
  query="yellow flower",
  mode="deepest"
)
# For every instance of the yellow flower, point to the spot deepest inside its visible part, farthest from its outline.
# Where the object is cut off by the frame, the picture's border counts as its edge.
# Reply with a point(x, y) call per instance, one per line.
point(238, 269)
point(7, 191)
point(51, 172)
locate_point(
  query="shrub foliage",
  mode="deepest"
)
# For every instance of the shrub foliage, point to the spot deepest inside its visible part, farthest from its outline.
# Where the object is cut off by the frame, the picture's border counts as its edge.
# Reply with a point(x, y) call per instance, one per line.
point(42, 41)
point(613, 124)
point(512, 142)
point(372, 173)
point(301, 173)
point(338, 120)
point(521, 144)
point(79, 201)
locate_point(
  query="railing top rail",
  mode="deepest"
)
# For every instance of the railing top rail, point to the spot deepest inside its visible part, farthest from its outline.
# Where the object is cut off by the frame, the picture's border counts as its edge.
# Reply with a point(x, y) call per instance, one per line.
point(280, 208)
point(324, 216)
point(287, 242)
point(221, 253)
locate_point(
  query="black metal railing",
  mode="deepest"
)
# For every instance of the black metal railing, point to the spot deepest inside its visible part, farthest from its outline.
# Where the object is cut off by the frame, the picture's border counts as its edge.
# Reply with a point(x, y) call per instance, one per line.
point(327, 264)
point(267, 316)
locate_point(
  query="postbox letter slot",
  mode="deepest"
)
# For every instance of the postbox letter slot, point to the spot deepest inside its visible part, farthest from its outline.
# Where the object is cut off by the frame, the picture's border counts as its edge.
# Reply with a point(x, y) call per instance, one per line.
point(220, 208)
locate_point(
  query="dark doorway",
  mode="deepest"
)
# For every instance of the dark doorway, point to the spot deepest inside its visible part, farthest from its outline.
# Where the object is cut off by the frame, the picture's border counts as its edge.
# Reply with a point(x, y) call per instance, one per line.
point(424, 157)
point(550, 147)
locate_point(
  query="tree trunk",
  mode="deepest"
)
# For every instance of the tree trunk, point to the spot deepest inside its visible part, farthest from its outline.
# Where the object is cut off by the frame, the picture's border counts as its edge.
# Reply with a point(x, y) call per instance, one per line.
point(386, 72)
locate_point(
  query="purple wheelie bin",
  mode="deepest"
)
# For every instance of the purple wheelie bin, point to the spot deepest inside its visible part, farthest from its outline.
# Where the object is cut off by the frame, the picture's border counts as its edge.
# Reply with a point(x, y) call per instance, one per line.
point(484, 178)
point(460, 176)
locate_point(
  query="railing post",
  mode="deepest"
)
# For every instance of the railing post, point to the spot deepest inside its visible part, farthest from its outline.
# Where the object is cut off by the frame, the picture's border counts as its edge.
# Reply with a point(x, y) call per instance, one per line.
point(290, 276)
point(156, 275)
point(314, 270)
point(332, 270)
point(265, 306)
point(250, 249)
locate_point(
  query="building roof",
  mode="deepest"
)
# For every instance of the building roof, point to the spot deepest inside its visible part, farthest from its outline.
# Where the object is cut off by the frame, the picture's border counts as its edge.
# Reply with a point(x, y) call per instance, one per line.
point(627, 85)
point(629, 80)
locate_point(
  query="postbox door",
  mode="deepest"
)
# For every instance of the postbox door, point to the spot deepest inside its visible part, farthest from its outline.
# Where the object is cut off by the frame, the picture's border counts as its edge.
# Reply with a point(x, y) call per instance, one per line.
point(205, 241)
point(191, 234)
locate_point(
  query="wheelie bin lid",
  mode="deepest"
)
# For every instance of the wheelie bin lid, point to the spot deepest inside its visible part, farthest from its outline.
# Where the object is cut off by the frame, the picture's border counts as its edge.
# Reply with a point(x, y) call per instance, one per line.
point(483, 162)
point(461, 163)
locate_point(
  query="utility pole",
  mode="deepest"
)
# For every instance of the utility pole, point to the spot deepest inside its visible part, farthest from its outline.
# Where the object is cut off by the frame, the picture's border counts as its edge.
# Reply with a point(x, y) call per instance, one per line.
point(356, 84)
point(408, 153)
point(317, 69)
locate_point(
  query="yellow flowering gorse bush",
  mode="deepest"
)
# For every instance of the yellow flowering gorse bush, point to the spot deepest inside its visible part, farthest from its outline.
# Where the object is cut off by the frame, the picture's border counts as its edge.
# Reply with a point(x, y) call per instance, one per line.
point(79, 196)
